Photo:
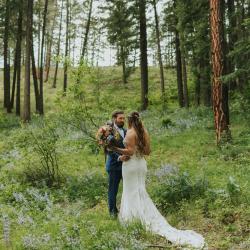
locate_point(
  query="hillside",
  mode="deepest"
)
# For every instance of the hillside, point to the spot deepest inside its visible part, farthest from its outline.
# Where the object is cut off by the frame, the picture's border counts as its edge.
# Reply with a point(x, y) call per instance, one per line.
point(194, 183)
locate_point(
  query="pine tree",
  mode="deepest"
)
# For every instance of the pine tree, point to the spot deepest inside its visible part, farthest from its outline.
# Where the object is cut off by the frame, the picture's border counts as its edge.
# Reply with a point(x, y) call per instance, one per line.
point(29, 22)
point(17, 62)
point(45, 11)
point(58, 47)
point(65, 75)
point(87, 30)
point(143, 56)
point(6, 58)
point(122, 32)
point(159, 52)
point(220, 113)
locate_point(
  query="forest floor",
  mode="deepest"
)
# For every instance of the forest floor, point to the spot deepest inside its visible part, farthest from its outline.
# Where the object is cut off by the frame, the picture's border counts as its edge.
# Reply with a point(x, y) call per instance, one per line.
point(194, 183)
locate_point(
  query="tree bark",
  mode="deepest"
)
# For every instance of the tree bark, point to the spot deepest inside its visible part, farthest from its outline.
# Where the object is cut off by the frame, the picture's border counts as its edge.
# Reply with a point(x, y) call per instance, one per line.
point(87, 30)
point(6, 57)
point(65, 80)
point(144, 56)
point(39, 36)
point(29, 22)
point(185, 87)
point(17, 63)
point(14, 78)
point(35, 81)
point(19, 58)
point(50, 42)
point(179, 69)
point(159, 53)
point(41, 109)
point(58, 48)
point(219, 100)
point(124, 73)
point(198, 84)
point(48, 59)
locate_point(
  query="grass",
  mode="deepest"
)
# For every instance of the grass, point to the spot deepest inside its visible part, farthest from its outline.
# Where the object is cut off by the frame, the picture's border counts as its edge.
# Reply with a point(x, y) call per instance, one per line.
point(74, 216)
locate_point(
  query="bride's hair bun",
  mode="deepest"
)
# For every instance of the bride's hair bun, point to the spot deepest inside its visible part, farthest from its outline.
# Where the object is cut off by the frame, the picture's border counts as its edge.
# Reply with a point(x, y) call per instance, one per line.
point(134, 115)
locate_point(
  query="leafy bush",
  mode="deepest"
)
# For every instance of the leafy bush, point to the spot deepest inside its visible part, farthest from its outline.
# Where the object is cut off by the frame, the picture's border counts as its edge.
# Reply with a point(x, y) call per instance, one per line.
point(166, 122)
point(234, 190)
point(90, 188)
point(8, 122)
point(175, 188)
point(42, 146)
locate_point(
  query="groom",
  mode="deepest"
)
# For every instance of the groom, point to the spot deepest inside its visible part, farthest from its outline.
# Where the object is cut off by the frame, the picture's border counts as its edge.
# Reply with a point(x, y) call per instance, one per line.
point(114, 161)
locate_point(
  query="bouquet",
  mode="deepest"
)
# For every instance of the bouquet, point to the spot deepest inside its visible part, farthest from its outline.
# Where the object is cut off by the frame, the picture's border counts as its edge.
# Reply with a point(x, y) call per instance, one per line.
point(107, 135)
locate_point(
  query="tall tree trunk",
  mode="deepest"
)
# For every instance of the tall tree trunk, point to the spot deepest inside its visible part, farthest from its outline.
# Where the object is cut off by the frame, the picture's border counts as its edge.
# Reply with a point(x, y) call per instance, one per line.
point(65, 80)
point(58, 47)
point(220, 119)
point(50, 42)
point(185, 87)
point(87, 30)
point(29, 22)
point(23, 58)
point(124, 73)
point(41, 110)
point(14, 78)
point(6, 57)
point(144, 56)
point(171, 50)
point(48, 59)
point(85, 42)
point(198, 84)
point(70, 29)
point(39, 36)
point(179, 69)
point(35, 81)
point(17, 63)
point(159, 53)
point(19, 58)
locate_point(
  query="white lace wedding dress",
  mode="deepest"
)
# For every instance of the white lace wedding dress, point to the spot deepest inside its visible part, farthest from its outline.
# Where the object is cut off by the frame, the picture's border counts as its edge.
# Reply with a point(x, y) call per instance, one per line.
point(136, 204)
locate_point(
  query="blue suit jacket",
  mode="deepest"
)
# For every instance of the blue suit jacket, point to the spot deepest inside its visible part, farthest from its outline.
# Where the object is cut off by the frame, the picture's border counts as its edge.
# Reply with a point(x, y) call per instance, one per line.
point(112, 163)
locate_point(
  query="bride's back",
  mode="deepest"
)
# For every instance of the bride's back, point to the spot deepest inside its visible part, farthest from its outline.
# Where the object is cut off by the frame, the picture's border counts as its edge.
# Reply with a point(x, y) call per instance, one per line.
point(140, 142)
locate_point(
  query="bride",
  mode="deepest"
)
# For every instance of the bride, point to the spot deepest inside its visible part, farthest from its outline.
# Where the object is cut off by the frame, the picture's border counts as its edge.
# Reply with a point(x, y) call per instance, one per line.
point(135, 201)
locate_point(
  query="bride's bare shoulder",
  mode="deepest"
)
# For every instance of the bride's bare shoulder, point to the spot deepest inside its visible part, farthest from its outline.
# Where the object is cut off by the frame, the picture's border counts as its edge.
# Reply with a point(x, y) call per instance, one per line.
point(131, 133)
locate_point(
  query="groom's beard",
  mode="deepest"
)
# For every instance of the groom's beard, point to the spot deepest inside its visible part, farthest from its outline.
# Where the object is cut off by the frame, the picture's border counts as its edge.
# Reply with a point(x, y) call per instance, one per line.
point(120, 125)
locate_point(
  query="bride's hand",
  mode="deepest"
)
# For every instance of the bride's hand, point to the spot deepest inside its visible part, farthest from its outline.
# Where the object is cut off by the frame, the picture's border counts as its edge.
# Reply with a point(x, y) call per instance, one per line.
point(112, 148)
point(124, 158)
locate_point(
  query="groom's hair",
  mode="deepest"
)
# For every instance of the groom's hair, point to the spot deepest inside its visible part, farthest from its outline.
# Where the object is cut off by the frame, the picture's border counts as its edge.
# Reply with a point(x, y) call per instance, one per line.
point(116, 113)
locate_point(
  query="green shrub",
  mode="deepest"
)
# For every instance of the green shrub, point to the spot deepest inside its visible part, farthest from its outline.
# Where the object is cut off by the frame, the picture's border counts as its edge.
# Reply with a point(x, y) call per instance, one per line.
point(90, 188)
point(234, 190)
point(173, 189)
point(42, 157)
point(8, 122)
point(166, 122)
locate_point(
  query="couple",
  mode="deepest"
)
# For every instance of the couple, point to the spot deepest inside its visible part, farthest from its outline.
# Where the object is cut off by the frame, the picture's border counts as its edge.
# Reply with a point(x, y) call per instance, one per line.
point(126, 161)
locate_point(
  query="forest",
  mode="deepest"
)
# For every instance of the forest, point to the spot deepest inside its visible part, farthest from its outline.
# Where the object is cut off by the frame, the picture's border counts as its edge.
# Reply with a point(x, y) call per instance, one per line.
point(66, 65)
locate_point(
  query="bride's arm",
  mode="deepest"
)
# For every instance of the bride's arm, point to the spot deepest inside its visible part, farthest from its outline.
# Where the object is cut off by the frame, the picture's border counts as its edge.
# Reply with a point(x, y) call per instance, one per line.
point(130, 146)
